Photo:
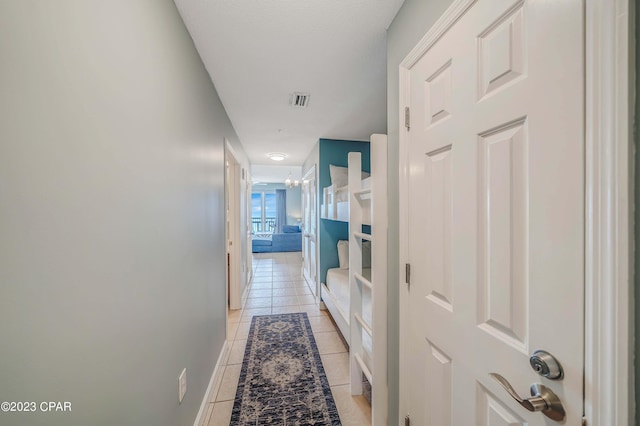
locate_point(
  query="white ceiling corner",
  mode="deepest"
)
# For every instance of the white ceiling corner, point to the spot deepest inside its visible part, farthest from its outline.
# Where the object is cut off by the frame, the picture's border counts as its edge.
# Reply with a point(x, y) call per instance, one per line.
point(258, 53)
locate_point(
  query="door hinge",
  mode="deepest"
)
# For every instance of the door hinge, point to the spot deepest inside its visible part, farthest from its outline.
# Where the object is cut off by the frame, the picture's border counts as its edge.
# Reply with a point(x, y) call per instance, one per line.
point(407, 273)
point(584, 421)
point(407, 118)
point(407, 420)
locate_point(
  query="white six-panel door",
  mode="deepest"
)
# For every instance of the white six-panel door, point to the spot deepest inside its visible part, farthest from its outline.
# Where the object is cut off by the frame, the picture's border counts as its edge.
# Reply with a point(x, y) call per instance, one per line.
point(495, 211)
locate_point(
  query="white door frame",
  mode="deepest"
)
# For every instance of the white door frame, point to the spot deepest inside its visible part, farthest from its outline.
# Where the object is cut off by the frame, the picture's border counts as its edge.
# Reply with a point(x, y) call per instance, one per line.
point(609, 202)
point(232, 188)
point(312, 172)
point(609, 344)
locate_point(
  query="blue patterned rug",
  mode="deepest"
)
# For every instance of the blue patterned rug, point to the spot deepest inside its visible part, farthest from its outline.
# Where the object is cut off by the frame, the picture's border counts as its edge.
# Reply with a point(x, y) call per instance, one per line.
point(282, 381)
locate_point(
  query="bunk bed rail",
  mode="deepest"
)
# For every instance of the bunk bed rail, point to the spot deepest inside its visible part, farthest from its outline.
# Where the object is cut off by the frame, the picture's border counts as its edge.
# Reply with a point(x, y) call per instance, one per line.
point(369, 206)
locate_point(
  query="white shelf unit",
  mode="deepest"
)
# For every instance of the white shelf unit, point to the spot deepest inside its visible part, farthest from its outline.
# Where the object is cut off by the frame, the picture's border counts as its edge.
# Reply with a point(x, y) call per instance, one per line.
point(369, 206)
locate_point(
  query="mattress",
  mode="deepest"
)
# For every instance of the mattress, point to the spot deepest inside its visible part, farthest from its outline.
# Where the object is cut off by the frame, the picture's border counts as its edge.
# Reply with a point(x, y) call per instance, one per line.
point(338, 285)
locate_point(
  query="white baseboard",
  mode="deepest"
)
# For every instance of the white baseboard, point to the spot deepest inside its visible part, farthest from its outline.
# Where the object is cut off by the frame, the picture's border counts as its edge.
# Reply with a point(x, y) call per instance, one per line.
point(245, 292)
point(216, 377)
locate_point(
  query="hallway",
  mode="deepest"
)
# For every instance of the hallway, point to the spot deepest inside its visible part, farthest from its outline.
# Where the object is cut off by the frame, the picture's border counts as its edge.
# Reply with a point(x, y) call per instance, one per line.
point(277, 287)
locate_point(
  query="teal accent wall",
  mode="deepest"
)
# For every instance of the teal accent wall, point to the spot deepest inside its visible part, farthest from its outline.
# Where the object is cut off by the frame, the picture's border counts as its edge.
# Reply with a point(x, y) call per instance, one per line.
point(335, 152)
point(331, 231)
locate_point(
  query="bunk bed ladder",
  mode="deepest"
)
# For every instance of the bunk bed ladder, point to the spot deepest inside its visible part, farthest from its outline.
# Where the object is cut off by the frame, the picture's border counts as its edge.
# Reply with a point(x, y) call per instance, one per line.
point(356, 239)
point(376, 371)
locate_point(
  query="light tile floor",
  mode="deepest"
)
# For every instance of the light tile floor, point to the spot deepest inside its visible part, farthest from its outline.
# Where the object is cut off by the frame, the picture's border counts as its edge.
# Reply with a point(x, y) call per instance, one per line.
point(278, 287)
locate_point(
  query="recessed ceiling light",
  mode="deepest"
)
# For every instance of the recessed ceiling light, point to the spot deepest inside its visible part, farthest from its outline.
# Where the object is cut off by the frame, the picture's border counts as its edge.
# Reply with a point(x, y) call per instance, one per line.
point(277, 156)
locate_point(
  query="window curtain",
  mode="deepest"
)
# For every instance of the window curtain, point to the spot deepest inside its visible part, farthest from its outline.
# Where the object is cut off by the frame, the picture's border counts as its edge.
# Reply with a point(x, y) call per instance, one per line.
point(281, 209)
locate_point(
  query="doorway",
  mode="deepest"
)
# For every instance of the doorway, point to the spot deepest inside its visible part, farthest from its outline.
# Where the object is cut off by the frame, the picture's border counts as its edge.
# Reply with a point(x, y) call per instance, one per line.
point(496, 211)
point(506, 56)
point(233, 208)
point(309, 230)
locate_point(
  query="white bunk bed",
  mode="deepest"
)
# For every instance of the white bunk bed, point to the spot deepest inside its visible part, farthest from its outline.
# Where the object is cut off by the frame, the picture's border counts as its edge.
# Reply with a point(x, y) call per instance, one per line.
point(357, 297)
point(335, 204)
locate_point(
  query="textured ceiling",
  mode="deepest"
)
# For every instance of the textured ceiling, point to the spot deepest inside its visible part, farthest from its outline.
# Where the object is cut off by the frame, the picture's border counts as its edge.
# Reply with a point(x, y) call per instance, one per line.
point(259, 52)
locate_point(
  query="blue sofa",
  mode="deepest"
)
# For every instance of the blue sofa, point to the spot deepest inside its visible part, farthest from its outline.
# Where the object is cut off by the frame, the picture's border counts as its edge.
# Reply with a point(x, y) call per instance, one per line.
point(289, 240)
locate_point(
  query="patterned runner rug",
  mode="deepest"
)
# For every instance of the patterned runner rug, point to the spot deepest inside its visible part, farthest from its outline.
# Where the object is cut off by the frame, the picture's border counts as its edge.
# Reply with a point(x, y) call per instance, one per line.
point(282, 381)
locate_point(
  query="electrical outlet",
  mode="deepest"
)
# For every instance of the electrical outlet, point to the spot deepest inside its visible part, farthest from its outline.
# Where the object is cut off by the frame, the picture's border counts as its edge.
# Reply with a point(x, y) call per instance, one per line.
point(182, 385)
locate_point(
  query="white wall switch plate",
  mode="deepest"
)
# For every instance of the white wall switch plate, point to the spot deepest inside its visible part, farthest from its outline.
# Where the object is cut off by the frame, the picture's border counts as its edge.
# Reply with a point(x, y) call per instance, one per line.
point(182, 384)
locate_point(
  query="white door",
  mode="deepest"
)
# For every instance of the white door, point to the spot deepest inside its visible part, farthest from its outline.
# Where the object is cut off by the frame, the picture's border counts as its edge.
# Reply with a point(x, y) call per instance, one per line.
point(232, 194)
point(495, 212)
point(309, 237)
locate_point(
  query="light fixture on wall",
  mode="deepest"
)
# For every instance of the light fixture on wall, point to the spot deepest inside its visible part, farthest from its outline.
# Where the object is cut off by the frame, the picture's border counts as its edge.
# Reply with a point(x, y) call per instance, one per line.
point(290, 183)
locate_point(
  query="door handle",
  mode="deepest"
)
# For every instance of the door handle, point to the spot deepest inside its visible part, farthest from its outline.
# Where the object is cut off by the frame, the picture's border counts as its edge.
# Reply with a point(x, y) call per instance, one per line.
point(542, 399)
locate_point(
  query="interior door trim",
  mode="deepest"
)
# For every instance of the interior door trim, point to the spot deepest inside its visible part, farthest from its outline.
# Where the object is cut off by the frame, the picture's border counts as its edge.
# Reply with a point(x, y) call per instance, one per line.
point(311, 174)
point(609, 201)
point(609, 221)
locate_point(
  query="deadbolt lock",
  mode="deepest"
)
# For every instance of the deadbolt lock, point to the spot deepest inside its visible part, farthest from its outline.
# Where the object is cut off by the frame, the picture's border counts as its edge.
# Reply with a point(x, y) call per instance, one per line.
point(546, 365)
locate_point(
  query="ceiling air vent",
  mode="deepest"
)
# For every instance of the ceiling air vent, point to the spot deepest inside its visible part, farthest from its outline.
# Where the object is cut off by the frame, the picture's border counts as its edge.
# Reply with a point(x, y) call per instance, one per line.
point(300, 100)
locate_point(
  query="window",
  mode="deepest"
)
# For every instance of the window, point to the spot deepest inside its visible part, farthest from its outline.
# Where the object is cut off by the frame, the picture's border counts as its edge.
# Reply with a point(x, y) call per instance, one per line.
point(263, 212)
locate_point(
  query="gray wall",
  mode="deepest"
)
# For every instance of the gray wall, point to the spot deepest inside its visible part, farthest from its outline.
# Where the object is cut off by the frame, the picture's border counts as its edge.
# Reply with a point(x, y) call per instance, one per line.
point(411, 23)
point(111, 212)
point(294, 205)
point(312, 159)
